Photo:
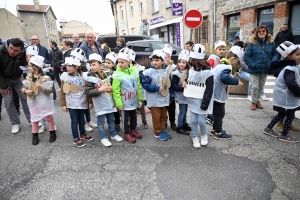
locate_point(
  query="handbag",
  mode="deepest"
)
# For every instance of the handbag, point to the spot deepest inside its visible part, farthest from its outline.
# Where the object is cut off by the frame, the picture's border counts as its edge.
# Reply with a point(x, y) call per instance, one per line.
point(194, 89)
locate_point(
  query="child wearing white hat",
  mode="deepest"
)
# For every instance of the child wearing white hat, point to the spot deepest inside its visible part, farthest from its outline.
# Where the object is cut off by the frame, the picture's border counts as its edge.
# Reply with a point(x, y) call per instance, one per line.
point(38, 87)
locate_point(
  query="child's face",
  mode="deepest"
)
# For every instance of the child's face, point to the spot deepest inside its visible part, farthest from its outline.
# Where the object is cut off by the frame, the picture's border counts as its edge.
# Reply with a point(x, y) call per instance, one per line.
point(28, 56)
point(167, 58)
point(181, 64)
point(95, 66)
point(157, 62)
point(109, 64)
point(295, 56)
point(123, 63)
point(233, 60)
point(72, 69)
point(31, 68)
point(220, 51)
point(118, 43)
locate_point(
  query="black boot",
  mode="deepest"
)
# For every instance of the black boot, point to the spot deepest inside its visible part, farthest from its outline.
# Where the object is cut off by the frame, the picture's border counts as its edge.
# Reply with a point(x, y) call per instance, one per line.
point(52, 136)
point(173, 126)
point(180, 130)
point(187, 127)
point(35, 138)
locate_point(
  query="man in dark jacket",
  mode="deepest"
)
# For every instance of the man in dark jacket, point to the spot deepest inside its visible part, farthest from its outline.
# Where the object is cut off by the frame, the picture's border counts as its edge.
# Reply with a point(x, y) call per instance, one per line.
point(67, 47)
point(284, 35)
point(238, 42)
point(43, 51)
point(12, 56)
point(56, 57)
point(91, 45)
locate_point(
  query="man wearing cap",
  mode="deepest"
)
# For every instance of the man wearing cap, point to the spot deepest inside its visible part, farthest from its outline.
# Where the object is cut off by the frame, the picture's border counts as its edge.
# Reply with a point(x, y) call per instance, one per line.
point(12, 56)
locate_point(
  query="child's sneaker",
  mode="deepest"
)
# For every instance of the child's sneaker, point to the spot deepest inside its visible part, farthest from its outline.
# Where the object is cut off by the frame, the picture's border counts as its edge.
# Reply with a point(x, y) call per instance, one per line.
point(86, 137)
point(212, 133)
point(222, 136)
point(106, 142)
point(270, 132)
point(209, 120)
point(135, 134)
point(288, 139)
point(204, 140)
point(88, 128)
point(117, 127)
point(167, 134)
point(187, 127)
point(182, 131)
point(42, 129)
point(196, 143)
point(129, 138)
point(78, 143)
point(117, 138)
point(92, 124)
point(161, 136)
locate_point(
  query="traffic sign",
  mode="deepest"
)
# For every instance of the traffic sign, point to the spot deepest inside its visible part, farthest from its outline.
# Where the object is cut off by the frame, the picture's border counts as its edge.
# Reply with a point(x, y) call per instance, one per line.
point(193, 19)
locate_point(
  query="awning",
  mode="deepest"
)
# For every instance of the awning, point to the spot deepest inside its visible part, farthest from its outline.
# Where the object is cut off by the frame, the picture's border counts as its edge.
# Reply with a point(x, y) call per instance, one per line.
point(172, 21)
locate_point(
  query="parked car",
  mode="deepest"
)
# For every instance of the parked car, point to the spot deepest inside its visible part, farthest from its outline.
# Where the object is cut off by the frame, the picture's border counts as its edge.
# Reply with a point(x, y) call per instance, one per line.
point(144, 48)
point(111, 40)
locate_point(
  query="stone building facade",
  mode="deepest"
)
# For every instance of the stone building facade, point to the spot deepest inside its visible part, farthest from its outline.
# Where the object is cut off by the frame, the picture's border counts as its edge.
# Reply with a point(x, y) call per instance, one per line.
point(11, 26)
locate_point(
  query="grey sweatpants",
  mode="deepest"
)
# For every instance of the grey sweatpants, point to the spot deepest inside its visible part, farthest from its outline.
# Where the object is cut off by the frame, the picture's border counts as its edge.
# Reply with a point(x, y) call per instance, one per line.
point(258, 82)
point(9, 102)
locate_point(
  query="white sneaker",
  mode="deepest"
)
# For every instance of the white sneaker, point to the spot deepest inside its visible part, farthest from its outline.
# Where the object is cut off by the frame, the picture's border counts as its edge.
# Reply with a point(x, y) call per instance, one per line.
point(42, 129)
point(106, 142)
point(88, 128)
point(92, 124)
point(58, 90)
point(249, 98)
point(15, 128)
point(117, 138)
point(196, 143)
point(40, 124)
point(55, 127)
point(204, 140)
point(263, 97)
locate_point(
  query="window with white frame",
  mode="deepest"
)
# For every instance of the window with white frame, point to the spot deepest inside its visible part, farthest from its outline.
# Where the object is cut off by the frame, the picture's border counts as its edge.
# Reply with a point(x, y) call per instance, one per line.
point(121, 13)
point(131, 8)
point(133, 31)
point(141, 6)
point(169, 3)
point(155, 6)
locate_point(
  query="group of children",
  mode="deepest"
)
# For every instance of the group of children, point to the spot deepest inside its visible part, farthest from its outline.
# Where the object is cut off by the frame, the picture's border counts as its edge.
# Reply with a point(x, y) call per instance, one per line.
point(119, 88)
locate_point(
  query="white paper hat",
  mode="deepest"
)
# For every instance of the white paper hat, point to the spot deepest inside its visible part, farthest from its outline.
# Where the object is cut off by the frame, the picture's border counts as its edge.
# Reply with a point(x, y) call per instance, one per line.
point(286, 48)
point(37, 60)
point(78, 53)
point(32, 50)
point(96, 57)
point(237, 50)
point(168, 49)
point(158, 53)
point(132, 55)
point(124, 54)
point(112, 56)
point(184, 55)
point(219, 43)
point(197, 51)
point(72, 61)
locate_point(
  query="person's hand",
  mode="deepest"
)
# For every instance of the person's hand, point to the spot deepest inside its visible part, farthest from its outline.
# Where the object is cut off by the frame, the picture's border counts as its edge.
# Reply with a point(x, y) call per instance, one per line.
point(38, 85)
point(64, 108)
point(240, 83)
point(121, 108)
point(5, 91)
point(184, 84)
point(109, 88)
point(91, 106)
point(160, 89)
point(28, 92)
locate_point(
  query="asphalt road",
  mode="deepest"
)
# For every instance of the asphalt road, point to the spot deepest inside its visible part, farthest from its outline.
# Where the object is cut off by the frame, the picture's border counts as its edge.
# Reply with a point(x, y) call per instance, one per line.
point(250, 166)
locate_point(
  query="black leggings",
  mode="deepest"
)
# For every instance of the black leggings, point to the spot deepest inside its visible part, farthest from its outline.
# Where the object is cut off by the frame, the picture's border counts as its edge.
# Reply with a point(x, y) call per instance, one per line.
point(57, 73)
point(129, 115)
point(287, 122)
point(171, 111)
point(219, 114)
point(117, 117)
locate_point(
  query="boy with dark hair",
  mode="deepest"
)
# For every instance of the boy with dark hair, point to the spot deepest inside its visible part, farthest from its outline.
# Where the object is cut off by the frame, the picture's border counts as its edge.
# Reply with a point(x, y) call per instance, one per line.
point(152, 83)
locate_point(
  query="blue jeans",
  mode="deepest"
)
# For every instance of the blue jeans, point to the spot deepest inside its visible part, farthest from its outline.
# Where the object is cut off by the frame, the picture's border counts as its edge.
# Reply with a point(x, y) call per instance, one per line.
point(77, 118)
point(246, 76)
point(110, 122)
point(87, 114)
point(198, 119)
point(182, 114)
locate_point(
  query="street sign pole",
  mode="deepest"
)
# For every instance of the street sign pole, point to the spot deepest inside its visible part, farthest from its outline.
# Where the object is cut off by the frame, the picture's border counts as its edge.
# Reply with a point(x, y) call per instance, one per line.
point(192, 19)
point(191, 35)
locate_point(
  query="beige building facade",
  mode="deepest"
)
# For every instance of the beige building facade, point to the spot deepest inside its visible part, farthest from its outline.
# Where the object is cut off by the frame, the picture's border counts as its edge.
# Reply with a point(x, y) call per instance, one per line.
point(129, 16)
point(11, 25)
point(39, 20)
point(74, 26)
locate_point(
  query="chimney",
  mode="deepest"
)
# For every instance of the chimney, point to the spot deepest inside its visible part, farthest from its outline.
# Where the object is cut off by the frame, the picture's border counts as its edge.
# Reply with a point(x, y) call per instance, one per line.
point(36, 4)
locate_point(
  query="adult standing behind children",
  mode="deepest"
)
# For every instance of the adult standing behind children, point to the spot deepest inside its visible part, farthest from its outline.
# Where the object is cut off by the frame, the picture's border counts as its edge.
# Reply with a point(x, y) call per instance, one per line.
point(259, 53)
point(56, 60)
point(76, 43)
point(120, 41)
point(91, 45)
point(12, 56)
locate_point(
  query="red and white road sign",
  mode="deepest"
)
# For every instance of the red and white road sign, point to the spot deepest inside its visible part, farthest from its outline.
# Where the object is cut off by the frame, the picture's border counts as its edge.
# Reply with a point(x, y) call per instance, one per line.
point(193, 19)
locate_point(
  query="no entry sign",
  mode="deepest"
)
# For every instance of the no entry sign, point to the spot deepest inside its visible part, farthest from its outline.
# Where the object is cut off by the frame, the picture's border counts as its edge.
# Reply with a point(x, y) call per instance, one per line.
point(193, 19)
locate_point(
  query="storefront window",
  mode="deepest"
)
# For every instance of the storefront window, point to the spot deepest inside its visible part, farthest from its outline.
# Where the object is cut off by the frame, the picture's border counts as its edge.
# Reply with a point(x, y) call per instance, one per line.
point(201, 33)
point(266, 17)
point(233, 27)
point(295, 25)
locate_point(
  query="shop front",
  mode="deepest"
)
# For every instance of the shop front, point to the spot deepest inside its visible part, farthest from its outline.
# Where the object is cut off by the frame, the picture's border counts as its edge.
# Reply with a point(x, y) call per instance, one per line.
point(170, 30)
